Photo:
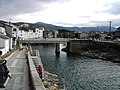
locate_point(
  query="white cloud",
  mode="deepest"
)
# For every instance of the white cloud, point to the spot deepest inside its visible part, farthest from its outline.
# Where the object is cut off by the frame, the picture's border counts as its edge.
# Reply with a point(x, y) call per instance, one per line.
point(61, 12)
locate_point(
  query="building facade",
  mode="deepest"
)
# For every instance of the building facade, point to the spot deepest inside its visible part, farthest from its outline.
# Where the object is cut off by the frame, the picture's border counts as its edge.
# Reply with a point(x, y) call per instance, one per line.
point(4, 43)
point(29, 33)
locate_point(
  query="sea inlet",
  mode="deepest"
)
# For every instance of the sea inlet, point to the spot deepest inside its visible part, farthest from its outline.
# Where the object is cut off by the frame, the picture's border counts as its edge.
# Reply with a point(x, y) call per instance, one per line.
point(78, 72)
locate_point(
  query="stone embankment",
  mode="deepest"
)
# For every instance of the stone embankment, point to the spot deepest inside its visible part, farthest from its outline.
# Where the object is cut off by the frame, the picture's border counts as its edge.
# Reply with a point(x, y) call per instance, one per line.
point(36, 82)
point(108, 56)
point(104, 56)
point(99, 50)
point(49, 81)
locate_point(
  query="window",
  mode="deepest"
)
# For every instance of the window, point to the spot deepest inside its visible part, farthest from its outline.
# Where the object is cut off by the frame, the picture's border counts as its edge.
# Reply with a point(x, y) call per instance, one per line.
point(14, 29)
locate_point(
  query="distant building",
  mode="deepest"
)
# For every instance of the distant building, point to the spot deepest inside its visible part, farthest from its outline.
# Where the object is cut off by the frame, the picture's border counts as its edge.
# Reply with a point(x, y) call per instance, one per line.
point(7, 30)
point(94, 35)
point(12, 32)
point(84, 35)
point(25, 25)
point(117, 34)
point(16, 31)
point(30, 32)
point(103, 35)
point(55, 33)
point(50, 34)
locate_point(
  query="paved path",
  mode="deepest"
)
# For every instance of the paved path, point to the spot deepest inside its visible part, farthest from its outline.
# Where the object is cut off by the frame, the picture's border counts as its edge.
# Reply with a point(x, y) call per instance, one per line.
point(18, 68)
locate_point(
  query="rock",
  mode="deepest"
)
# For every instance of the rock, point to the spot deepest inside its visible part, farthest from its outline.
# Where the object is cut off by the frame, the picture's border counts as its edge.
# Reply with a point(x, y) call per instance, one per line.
point(52, 81)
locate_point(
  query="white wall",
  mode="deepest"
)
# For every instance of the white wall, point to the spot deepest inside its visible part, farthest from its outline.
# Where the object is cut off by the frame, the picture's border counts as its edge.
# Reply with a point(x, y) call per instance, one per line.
point(10, 43)
point(15, 31)
point(30, 34)
point(3, 51)
point(4, 43)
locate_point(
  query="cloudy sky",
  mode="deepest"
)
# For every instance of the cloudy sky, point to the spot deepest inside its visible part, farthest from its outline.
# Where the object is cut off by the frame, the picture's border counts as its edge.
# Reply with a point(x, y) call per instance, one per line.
point(79, 13)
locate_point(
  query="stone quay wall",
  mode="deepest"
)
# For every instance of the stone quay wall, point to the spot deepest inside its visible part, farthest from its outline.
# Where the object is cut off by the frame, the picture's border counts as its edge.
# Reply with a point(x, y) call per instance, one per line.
point(36, 82)
point(95, 49)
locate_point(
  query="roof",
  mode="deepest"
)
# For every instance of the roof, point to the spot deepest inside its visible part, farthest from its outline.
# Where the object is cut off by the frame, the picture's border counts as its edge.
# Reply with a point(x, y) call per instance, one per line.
point(3, 36)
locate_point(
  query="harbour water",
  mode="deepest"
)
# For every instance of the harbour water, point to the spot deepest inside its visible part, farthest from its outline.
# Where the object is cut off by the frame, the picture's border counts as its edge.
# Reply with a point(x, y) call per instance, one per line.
point(80, 73)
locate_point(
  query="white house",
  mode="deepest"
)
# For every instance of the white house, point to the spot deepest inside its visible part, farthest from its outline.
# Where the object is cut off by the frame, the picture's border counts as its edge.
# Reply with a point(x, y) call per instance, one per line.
point(12, 33)
point(4, 43)
point(39, 32)
point(27, 33)
point(3, 32)
point(8, 31)
point(15, 31)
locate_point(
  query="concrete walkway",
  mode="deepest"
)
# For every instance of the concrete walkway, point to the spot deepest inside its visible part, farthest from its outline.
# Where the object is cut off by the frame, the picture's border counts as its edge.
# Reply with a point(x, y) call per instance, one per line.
point(17, 65)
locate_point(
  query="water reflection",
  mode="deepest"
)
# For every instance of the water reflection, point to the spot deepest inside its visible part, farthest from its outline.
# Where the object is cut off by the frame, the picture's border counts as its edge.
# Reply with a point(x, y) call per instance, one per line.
point(80, 73)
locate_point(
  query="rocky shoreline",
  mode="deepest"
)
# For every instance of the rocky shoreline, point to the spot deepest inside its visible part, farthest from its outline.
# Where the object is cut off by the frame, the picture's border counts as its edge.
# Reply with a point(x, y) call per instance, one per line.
point(104, 56)
point(52, 81)
point(111, 56)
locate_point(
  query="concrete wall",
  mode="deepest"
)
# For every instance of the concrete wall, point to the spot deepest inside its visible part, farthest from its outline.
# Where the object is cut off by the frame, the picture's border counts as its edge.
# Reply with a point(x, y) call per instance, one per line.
point(74, 46)
point(34, 76)
point(6, 45)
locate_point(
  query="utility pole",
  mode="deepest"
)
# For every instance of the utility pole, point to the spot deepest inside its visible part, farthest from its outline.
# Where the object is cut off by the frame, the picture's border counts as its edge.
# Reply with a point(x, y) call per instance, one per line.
point(110, 27)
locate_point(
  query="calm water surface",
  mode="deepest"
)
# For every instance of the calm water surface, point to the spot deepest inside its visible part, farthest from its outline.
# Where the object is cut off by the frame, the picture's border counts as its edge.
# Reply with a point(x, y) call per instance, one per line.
point(80, 73)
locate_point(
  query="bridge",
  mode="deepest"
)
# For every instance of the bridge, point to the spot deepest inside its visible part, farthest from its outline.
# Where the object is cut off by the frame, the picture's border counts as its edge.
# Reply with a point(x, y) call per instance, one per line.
point(45, 40)
point(57, 41)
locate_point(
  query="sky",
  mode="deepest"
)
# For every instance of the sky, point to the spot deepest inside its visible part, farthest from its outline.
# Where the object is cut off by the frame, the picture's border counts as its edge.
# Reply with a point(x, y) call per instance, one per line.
point(69, 13)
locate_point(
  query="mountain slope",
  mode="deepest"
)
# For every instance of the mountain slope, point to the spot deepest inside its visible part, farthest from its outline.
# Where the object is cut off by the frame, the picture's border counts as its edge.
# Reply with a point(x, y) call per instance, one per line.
point(77, 29)
point(49, 26)
point(54, 27)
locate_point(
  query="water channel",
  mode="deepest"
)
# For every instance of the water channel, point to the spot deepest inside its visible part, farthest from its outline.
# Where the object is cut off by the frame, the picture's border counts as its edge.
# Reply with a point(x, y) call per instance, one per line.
point(80, 73)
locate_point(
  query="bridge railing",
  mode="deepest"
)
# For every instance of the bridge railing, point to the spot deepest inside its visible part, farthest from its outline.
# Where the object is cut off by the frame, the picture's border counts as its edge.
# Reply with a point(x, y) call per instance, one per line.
point(45, 40)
